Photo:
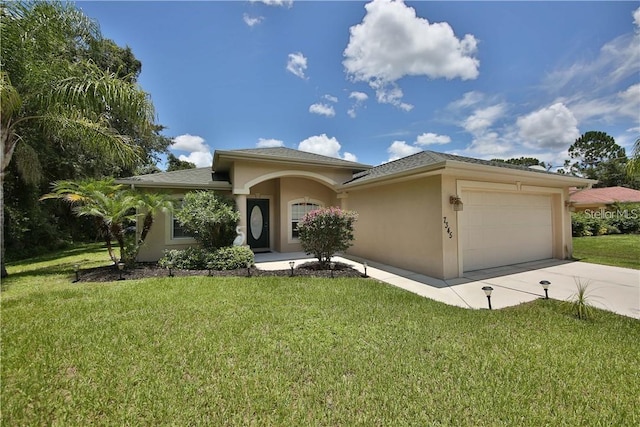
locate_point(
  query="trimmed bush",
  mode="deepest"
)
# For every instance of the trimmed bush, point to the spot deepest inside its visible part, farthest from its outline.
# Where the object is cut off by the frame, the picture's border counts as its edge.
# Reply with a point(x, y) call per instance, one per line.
point(231, 258)
point(210, 218)
point(227, 258)
point(324, 232)
point(620, 218)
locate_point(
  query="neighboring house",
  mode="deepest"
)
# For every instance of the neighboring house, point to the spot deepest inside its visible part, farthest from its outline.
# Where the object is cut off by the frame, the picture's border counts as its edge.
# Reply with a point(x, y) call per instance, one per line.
point(601, 198)
point(431, 213)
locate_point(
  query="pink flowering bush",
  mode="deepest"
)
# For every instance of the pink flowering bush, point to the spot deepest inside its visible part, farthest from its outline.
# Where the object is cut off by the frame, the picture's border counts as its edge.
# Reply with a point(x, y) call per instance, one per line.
point(325, 231)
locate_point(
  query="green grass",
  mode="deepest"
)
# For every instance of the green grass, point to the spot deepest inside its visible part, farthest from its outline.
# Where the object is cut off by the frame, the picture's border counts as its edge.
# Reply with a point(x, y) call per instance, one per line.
point(294, 351)
point(621, 250)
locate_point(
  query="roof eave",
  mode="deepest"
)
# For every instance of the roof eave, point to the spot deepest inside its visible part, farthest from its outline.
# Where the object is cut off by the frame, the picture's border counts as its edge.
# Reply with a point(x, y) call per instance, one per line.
point(237, 155)
point(220, 185)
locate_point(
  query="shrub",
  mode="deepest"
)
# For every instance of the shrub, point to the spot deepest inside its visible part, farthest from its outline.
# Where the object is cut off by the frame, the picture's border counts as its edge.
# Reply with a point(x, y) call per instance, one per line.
point(625, 217)
point(186, 259)
point(584, 224)
point(323, 232)
point(210, 218)
point(227, 258)
point(231, 258)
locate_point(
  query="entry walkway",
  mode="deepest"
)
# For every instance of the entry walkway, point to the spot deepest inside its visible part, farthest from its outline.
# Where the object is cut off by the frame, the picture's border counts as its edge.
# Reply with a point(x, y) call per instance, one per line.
point(611, 288)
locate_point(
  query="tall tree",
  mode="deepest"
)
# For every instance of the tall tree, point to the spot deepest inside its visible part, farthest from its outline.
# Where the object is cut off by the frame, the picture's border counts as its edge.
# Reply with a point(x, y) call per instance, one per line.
point(175, 164)
point(595, 155)
point(633, 167)
point(53, 92)
point(522, 161)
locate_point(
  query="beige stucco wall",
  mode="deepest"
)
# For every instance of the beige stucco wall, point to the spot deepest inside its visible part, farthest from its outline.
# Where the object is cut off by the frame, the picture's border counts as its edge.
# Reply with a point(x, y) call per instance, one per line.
point(295, 189)
point(400, 225)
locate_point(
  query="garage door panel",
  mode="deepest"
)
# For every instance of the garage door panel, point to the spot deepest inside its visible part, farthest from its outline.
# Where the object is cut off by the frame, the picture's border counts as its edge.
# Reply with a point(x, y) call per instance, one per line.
point(505, 228)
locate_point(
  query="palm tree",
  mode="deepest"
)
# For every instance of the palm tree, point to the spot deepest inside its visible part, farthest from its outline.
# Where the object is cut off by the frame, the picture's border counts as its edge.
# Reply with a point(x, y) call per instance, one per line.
point(74, 100)
point(151, 204)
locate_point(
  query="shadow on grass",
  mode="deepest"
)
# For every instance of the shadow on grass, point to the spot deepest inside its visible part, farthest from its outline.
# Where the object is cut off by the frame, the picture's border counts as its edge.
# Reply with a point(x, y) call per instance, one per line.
point(52, 267)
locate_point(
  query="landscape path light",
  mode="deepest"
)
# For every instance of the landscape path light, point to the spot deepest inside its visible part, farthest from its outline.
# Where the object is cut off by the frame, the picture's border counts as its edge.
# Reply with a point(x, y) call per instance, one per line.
point(332, 266)
point(210, 267)
point(170, 267)
point(292, 264)
point(487, 291)
point(76, 269)
point(364, 264)
point(545, 285)
point(120, 268)
point(248, 269)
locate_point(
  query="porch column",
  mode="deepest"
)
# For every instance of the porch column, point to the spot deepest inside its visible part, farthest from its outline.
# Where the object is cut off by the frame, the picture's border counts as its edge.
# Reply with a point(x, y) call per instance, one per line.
point(343, 200)
point(241, 202)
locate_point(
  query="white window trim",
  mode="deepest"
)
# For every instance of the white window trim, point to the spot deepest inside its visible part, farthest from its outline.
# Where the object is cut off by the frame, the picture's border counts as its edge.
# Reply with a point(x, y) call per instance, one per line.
point(290, 204)
point(169, 239)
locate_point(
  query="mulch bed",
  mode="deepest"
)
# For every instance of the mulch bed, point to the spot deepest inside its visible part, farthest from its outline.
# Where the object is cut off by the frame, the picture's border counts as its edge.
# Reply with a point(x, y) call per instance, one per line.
point(146, 270)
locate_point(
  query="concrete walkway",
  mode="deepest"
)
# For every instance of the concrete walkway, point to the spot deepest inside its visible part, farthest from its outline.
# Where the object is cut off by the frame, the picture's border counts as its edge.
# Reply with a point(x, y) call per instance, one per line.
point(610, 288)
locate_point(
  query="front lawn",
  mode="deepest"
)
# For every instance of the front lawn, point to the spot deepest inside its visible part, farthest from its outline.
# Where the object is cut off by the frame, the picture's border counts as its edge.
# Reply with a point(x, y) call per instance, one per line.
point(621, 250)
point(299, 351)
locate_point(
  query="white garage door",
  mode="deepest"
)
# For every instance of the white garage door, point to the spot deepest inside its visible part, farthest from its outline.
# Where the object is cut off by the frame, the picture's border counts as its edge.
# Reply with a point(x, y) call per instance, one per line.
point(504, 228)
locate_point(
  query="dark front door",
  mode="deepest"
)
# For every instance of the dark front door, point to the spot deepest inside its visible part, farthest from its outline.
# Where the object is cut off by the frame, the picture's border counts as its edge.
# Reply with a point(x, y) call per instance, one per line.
point(258, 224)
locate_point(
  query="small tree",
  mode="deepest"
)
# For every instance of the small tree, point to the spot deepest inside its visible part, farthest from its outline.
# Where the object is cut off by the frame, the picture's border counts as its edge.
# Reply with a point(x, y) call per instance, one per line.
point(210, 218)
point(323, 232)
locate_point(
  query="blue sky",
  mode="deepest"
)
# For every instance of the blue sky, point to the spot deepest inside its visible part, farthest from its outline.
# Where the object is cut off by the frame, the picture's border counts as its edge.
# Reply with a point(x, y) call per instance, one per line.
point(375, 81)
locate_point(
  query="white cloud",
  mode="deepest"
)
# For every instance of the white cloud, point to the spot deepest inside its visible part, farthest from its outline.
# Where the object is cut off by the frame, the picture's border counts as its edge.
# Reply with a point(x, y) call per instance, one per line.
point(358, 99)
point(321, 144)
point(551, 127)
point(358, 96)
point(331, 98)
point(349, 157)
point(267, 143)
point(432, 138)
point(187, 142)
point(636, 17)
point(297, 64)
point(399, 149)
point(326, 146)
point(251, 21)
point(322, 110)
point(392, 42)
point(483, 118)
point(199, 158)
point(283, 3)
point(629, 101)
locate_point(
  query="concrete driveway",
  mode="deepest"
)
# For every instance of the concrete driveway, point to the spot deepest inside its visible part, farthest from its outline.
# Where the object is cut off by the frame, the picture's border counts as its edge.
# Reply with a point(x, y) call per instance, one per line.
point(610, 288)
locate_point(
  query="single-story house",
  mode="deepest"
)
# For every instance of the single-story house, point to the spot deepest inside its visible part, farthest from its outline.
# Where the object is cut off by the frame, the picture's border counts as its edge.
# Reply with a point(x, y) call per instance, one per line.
point(432, 213)
point(601, 198)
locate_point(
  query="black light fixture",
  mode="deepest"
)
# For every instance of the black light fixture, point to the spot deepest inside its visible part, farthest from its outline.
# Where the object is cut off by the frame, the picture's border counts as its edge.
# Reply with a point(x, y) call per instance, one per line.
point(248, 269)
point(170, 267)
point(120, 268)
point(545, 285)
point(332, 266)
point(292, 264)
point(364, 264)
point(76, 269)
point(210, 267)
point(487, 291)
point(456, 202)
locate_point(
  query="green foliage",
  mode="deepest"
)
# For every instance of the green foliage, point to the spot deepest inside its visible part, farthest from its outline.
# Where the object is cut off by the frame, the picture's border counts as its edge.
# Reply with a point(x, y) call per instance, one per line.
point(324, 232)
point(210, 218)
point(522, 161)
point(619, 218)
point(175, 164)
point(595, 155)
point(194, 258)
point(231, 258)
point(71, 108)
point(580, 303)
point(115, 210)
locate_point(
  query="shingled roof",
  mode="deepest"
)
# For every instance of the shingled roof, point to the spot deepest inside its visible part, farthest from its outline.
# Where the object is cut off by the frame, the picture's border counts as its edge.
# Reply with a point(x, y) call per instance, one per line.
point(187, 178)
point(287, 154)
point(425, 159)
point(607, 195)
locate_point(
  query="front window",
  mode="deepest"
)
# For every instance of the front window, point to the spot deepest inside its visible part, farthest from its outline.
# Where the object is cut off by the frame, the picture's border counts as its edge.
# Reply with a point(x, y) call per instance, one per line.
point(178, 232)
point(298, 210)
